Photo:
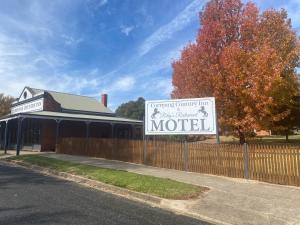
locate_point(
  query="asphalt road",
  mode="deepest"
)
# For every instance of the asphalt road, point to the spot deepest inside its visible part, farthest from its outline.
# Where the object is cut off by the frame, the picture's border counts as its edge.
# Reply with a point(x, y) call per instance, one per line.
point(27, 197)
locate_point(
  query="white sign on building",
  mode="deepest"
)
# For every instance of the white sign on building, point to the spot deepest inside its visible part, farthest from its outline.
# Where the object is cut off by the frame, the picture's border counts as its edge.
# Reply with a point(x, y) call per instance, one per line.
point(33, 106)
point(181, 116)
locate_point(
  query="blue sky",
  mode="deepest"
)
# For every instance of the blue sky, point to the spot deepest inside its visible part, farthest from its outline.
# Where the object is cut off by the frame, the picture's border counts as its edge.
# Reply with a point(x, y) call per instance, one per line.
point(122, 47)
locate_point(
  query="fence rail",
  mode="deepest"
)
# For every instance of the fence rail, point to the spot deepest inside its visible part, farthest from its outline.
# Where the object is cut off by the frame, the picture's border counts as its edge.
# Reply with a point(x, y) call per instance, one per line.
point(278, 164)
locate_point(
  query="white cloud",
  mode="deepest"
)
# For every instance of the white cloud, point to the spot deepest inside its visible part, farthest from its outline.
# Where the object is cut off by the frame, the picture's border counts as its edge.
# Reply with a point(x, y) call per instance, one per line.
point(164, 61)
point(148, 19)
point(29, 55)
point(30, 26)
point(70, 40)
point(165, 32)
point(123, 84)
point(93, 6)
point(151, 81)
point(12, 47)
point(165, 87)
point(126, 29)
point(71, 83)
point(22, 64)
point(102, 3)
point(158, 88)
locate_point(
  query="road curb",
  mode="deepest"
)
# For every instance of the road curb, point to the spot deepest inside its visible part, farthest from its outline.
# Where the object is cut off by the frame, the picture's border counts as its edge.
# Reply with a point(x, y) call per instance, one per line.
point(151, 200)
point(91, 183)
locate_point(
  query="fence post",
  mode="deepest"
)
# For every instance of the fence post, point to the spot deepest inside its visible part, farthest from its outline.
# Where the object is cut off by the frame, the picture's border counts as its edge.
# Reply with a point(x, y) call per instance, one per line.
point(57, 149)
point(145, 150)
point(5, 137)
point(144, 143)
point(87, 123)
point(246, 161)
point(186, 156)
point(19, 135)
point(112, 142)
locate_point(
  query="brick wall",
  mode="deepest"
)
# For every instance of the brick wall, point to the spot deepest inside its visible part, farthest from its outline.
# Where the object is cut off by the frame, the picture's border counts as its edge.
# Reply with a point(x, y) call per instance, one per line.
point(50, 104)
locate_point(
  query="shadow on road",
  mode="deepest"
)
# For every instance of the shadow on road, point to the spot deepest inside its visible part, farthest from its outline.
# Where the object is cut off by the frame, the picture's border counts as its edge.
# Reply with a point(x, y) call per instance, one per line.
point(17, 175)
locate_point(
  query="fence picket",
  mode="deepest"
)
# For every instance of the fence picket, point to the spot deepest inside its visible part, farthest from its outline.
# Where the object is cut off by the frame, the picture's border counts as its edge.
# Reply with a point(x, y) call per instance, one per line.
point(270, 163)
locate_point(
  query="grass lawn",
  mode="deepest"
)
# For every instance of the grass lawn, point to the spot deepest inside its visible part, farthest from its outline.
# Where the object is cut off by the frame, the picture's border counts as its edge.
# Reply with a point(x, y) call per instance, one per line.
point(293, 139)
point(161, 187)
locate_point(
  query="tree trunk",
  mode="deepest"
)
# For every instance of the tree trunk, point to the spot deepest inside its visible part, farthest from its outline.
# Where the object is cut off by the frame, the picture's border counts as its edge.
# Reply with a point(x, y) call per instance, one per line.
point(242, 137)
point(287, 136)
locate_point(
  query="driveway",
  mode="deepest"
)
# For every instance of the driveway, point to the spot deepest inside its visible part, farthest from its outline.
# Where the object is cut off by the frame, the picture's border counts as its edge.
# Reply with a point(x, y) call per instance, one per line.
point(30, 198)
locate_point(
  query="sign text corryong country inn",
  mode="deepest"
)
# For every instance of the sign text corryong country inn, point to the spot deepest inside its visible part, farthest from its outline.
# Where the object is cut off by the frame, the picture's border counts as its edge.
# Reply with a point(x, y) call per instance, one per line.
point(181, 116)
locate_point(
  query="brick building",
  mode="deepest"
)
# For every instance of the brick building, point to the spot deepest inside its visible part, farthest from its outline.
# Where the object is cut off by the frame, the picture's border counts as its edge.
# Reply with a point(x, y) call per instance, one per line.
point(39, 118)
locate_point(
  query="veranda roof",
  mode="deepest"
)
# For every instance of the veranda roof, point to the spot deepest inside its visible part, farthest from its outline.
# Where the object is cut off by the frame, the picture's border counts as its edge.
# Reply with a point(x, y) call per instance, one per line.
point(72, 116)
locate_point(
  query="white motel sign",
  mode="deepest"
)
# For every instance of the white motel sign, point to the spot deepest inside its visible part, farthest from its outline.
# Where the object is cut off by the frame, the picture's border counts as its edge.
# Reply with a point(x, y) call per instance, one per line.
point(180, 117)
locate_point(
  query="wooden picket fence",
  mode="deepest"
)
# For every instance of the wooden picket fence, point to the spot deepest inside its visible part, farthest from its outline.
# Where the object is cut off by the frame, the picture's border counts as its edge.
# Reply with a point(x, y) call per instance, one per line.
point(275, 163)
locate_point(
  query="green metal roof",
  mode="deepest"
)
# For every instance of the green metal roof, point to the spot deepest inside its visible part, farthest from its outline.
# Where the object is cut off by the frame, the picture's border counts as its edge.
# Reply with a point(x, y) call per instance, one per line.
point(76, 102)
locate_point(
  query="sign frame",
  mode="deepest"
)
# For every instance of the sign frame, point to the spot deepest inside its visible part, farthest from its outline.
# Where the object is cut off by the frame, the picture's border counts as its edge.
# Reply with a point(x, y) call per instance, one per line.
point(214, 130)
point(28, 107)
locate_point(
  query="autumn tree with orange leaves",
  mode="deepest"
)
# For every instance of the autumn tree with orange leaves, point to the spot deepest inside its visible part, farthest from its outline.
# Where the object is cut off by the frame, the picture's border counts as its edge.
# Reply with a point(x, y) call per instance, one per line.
point(246, 60)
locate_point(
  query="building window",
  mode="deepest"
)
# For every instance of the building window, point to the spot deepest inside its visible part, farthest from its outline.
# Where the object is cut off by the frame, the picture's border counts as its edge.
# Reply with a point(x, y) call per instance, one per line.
point(32, 132)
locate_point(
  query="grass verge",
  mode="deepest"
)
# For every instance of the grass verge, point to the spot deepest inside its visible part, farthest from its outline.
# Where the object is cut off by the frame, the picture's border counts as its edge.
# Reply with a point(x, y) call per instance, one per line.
point(160, 187)
point(274, 139)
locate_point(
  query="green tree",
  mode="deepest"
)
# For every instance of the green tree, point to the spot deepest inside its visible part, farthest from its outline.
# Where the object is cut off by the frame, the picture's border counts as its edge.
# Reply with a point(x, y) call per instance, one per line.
point(277, 29)
point(285, 125)
point(132, 109)
point(5, 104)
